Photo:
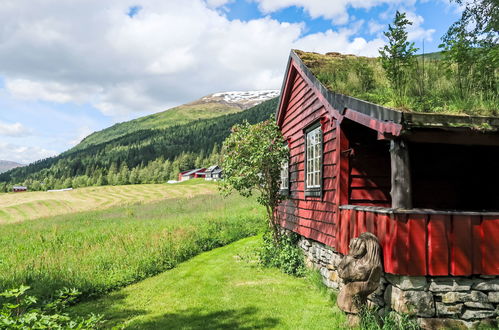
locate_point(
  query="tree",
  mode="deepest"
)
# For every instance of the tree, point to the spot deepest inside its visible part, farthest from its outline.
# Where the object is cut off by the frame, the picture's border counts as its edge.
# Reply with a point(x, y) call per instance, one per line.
point(471, 44)
point(251, 158)
point(481, 17)
point(398, 55)
point(458, 50)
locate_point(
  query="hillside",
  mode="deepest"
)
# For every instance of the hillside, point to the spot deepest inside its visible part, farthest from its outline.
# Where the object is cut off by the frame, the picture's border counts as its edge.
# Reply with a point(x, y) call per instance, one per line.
point(210, 106)
point(6, 165)
point(143, 156)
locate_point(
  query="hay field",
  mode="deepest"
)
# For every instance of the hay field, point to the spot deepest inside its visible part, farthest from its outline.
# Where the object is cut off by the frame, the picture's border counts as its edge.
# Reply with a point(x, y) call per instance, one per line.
point(15, 207)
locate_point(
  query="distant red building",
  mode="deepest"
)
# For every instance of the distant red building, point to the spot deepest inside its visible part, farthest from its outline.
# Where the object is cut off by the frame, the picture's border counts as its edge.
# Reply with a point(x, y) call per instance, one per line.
point(191, 174)
point(19, 189)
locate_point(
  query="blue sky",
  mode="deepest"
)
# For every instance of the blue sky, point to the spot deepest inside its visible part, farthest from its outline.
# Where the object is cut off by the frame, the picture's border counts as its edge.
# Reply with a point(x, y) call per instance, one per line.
point(67, 70)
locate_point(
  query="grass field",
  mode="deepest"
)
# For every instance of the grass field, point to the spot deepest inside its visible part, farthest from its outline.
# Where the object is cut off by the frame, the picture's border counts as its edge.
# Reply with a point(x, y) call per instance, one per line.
point(102, 250)
point(220, 289)
point(16, 207)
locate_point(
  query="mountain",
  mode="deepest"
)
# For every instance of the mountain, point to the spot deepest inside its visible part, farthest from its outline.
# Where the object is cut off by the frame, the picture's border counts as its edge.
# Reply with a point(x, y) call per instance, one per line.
point(6, 165)
point(210, 106)
point(149, 155)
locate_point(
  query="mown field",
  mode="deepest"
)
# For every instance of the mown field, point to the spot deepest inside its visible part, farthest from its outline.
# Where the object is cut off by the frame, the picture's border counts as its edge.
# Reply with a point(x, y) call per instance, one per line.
point(102, 250)
point(16, 207)
point(221, 289)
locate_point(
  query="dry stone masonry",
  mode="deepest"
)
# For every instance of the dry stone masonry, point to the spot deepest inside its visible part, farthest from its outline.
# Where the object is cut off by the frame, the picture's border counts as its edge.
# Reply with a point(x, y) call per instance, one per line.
point(436, 302)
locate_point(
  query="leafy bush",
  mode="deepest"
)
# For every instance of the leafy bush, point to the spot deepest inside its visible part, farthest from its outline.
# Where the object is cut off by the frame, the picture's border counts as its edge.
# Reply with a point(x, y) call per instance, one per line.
point(283, 254)
point(20, 311)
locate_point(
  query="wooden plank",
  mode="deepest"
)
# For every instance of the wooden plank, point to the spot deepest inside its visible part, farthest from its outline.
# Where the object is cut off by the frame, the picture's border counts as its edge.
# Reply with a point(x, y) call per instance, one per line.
point(368, 194)
point(344, 167)
point(400, 243)
point(476, 247)
point(461, 243)
point(344, 230)
point(352, 226)
point(417, 245)
point(401, 192)
point(383, 224)
point(490, 245)
point(371, 222)
point(388, 246)
point(291, 74)
point(438, 245)
point(368, 182)
point(361, 222)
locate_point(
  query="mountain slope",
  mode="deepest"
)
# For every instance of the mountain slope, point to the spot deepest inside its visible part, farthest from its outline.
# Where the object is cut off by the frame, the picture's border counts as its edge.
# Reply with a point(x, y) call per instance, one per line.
point(134, 151)
point(6, 165)
point(210, 106)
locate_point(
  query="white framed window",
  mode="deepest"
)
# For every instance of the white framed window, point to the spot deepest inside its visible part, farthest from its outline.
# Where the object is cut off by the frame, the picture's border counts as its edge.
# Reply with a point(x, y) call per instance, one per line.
point(313, 165)
point(285, 175)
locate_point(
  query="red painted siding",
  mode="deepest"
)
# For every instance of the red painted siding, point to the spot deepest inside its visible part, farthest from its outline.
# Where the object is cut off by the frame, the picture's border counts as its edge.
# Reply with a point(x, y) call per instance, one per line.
point(312, 217)
point(428, 244)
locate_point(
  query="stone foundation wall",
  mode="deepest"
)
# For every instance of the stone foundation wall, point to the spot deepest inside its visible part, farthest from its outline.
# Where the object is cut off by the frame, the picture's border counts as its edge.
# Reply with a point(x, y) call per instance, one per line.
point(451, 302)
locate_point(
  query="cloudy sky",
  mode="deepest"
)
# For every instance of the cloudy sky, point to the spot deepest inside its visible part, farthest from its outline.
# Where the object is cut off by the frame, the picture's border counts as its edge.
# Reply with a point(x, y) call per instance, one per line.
point(71, 67)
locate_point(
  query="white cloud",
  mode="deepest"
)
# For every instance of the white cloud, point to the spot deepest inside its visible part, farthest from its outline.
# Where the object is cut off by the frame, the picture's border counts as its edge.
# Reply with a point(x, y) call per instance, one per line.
point(171, 52)
point(375, 27)
point(52, 91)
point(82, 132)
point(23, 154)
point(416, 32)
point(218, 3)
point(13, 130)
point(336, 10)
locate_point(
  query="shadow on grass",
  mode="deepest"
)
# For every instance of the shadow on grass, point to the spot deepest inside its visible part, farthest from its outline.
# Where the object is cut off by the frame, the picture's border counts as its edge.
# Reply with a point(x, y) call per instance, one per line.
point(195, 318)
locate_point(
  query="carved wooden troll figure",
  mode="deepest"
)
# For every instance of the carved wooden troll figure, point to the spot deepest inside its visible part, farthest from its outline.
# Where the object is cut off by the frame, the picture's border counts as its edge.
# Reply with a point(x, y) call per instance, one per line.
point(361, 271)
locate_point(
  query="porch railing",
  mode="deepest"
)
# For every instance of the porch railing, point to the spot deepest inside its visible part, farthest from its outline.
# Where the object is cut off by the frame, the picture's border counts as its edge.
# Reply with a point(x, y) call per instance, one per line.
point(426, 242)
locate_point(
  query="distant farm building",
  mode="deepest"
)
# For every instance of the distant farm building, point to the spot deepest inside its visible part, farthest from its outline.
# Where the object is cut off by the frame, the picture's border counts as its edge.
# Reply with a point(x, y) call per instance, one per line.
point(217, 174)
point(213, 172)
point(19, 188)
point(191, 174)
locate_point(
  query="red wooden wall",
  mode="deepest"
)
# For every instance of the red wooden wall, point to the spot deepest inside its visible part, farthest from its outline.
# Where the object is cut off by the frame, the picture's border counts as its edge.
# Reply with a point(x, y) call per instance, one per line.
point(312, 217)
point(427, 244)
point(369, 172)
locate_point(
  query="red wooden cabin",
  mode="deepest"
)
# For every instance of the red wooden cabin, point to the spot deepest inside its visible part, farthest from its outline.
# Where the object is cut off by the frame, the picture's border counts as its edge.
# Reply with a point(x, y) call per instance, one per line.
point(427, 185)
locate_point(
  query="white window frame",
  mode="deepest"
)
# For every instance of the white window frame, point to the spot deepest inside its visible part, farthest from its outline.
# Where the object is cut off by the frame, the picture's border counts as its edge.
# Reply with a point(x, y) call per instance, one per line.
point(313, 160)
point(285, 175)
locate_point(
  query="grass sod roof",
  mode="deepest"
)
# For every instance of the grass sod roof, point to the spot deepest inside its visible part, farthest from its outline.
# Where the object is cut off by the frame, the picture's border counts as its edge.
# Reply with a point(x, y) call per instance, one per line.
point(360, 84)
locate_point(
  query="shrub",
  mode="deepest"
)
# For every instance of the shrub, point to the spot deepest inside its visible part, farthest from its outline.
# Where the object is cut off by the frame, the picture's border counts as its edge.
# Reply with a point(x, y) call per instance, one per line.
point(20, 311)
point(283, 254)
point(370, 320)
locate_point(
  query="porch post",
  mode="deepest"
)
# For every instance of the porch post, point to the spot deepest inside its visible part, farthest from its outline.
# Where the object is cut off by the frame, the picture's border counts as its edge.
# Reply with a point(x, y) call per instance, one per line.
point(401, 191)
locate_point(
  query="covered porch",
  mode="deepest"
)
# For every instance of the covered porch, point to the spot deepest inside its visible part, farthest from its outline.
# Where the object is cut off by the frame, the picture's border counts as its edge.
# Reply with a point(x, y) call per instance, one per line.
point(430, 195)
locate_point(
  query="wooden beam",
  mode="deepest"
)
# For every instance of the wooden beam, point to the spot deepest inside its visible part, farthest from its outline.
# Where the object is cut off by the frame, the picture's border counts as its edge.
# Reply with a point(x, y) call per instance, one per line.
point(344, 165)
point(461, 137)
point(401, 191)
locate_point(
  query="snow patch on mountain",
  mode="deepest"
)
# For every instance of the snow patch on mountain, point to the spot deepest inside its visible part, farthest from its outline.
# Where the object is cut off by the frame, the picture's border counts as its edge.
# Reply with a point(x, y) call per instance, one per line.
point(243, 99)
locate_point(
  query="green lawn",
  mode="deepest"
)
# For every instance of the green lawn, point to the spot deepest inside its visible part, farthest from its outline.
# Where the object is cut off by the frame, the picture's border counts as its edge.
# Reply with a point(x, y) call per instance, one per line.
point(220, 289)
point(100, 251)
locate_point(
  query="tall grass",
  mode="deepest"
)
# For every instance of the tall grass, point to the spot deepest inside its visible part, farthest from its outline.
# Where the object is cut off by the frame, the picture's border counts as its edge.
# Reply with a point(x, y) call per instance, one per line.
point(432, 85)
point(99, 251)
